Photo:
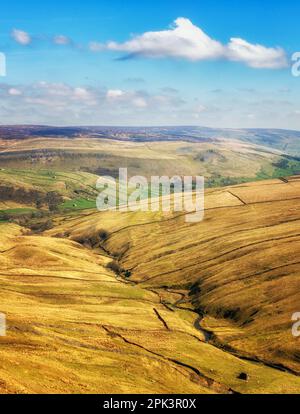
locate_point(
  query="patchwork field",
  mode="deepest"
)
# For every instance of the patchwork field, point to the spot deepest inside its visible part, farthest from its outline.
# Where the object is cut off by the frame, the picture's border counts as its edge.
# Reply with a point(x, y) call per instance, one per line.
point(66, 168)
point(217, 159)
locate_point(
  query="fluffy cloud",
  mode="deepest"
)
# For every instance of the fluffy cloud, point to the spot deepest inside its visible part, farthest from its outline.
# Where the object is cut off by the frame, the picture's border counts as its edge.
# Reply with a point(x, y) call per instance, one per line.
point(21, 37)
point(184, 40)
point(114, 93)
point(187, 41)
point(14, 92)
point(256, 56)
point(60, 103)
point(24, 38)
point(63, 104)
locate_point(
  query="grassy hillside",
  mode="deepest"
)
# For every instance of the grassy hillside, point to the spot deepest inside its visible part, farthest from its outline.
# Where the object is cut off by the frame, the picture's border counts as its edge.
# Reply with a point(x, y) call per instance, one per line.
point(74, 326)
point(139, 302)
point(32, 167)
point(287, 141)
point(214, 159)
point(65, 312)
point(21, 188)
point(238, 268)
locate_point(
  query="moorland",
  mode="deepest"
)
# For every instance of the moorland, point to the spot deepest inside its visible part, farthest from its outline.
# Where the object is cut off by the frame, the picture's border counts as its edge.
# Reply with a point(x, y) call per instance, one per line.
point(144, 302)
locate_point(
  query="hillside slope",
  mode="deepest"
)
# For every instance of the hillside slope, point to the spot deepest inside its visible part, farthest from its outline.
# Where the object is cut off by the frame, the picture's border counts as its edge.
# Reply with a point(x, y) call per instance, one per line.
point(216, 159)
point(68, 317)
point(284, 140)
point(74, 326)
point(239, 268)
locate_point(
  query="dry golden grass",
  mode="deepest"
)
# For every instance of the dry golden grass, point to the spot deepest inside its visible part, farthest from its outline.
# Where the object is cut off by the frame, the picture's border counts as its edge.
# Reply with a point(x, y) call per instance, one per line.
point(224, 157)
point(43, 181)
point(239, 266)
point(59, 299)
point(73, 326)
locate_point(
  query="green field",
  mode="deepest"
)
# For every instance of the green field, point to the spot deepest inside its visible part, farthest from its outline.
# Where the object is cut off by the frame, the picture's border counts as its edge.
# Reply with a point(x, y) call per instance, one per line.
point(78, 204)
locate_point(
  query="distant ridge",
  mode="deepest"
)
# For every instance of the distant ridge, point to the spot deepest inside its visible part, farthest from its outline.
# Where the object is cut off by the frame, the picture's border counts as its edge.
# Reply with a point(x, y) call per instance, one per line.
point(287, 141)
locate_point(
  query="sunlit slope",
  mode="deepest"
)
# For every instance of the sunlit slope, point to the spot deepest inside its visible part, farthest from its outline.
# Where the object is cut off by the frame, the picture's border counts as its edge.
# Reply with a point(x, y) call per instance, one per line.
point(65, 311)
point(75, 327)
point(240, 267)
point(285, 140)
point(215, 158)
point(21, 188)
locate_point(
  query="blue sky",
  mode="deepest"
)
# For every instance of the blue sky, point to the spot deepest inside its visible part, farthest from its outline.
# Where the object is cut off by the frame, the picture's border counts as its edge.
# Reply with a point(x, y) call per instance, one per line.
point(213, 63)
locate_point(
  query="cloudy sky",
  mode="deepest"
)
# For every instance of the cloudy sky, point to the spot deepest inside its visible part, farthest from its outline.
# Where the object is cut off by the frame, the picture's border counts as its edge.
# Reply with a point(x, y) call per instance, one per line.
point(113, 62)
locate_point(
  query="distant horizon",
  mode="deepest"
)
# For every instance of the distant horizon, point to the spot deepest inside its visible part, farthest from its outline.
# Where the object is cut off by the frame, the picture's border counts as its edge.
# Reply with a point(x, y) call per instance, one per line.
point(146, 126)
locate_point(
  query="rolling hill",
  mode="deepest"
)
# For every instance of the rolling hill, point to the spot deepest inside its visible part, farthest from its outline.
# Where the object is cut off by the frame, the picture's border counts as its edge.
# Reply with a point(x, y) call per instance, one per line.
point(76, 323)
point(284, 140)
point(238, 268)
point(32, 166)
point(144, 302)
point(234, 159)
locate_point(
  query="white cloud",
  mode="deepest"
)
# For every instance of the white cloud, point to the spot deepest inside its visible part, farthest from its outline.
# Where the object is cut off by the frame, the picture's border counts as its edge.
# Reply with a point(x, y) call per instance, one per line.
point(256, 56)
point(200, 108)
point(62, 40)
point(21, 37)
point(114, 93)
point(184, 40)
point(129, 98)
point(86, 96)
point(140, 102)
point(187, 41)
point(64, 104)
point(96, 47)
point(81, 93)
point(14, 92)
point(60, 103)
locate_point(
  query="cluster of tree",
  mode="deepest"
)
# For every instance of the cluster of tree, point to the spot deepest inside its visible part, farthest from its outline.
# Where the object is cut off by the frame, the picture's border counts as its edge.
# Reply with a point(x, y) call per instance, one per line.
point(51, 199)
point(37, 221)
point(116, 268)
point(219, 181)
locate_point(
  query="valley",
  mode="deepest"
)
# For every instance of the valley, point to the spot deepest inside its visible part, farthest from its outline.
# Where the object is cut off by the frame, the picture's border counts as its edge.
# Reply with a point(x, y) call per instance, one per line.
point(73, 320)
point(144, 302)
